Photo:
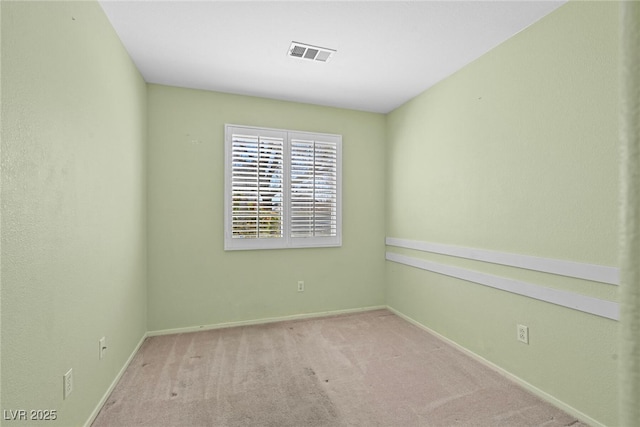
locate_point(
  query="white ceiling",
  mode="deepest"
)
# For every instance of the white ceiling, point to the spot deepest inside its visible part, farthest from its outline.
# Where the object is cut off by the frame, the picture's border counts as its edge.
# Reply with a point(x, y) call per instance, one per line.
point(387, 51)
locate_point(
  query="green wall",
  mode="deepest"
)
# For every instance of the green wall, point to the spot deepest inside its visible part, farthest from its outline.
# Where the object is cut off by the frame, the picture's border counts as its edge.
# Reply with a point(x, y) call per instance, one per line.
point(192, 280)
point(517, 152)
point(73, 206)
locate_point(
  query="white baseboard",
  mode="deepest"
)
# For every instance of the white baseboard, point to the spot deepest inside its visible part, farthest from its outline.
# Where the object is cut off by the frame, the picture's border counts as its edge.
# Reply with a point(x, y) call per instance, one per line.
point(102, 401)
point(533, 389)
point(263, 320)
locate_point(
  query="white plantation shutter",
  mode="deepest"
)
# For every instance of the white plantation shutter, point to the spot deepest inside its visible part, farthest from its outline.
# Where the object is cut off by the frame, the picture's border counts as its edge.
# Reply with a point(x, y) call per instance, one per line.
point(314, 188)
point(256, 177)
point(282, 189)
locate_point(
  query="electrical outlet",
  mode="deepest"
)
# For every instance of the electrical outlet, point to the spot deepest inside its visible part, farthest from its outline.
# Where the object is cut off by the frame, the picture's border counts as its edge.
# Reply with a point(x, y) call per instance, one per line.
point(523, 334)
point(300, 286)
point(102, 347)
point(67, 384)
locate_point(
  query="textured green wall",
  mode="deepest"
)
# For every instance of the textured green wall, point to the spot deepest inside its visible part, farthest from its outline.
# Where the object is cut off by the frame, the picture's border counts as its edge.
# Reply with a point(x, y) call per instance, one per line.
point(73, 206)
point(629, 387)
point(517, 152)
point(192, 280)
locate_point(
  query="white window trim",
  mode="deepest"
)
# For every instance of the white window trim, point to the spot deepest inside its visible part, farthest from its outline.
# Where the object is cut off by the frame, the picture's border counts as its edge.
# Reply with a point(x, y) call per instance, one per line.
point(286, 241)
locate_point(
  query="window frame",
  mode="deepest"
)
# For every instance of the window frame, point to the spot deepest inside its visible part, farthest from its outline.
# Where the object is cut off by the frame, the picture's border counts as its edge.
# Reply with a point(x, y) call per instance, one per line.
point(286, 241)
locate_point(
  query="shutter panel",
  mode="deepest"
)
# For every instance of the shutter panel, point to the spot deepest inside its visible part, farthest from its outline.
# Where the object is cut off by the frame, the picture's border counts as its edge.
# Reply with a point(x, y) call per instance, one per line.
point(326, 181)
point(314, 185)
point(282, 189)
point(256, 186)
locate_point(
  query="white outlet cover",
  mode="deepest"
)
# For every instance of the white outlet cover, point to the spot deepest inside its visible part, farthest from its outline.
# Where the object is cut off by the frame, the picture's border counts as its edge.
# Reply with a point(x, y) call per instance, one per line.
point(523, 334)
point(102, 347)
point(67, 384)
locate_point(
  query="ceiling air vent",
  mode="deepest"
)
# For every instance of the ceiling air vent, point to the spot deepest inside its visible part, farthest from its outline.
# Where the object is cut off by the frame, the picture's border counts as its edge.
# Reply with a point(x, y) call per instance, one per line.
point(312, 53)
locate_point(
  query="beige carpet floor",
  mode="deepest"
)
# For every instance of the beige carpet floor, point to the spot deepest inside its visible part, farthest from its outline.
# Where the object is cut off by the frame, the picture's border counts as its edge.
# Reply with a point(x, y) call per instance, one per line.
point(365, 369)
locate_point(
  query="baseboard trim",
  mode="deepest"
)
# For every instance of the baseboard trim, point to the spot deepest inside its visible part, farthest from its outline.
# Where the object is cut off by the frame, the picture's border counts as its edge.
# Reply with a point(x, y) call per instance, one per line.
point(529, 387)
point(263, 321)
point(102, 401)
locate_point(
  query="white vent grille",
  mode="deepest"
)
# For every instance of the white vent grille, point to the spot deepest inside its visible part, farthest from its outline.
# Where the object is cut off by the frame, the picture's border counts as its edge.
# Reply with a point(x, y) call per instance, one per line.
point(311, 53)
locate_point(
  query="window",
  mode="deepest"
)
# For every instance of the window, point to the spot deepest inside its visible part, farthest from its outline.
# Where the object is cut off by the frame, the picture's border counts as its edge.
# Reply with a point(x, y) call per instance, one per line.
point(282, 189)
